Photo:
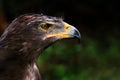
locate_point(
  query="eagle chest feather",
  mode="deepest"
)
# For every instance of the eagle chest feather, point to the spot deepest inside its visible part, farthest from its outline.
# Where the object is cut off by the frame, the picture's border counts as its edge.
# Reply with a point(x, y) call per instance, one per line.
point(32, 73)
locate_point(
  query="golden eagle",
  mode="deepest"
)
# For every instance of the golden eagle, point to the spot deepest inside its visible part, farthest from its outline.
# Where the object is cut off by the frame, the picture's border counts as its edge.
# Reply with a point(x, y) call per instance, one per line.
point(24, 40)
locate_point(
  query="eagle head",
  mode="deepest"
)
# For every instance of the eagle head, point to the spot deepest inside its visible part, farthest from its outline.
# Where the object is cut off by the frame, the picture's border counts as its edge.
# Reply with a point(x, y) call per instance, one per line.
point(32, 33)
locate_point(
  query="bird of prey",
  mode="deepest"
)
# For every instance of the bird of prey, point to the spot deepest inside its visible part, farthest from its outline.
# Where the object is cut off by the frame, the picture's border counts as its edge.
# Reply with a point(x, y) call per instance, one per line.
point(24, 40)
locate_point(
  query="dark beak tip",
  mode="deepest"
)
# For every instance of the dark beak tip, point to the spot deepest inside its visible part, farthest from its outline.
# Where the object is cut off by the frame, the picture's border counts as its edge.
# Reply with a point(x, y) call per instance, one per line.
point(78, 38)
point(77, 35)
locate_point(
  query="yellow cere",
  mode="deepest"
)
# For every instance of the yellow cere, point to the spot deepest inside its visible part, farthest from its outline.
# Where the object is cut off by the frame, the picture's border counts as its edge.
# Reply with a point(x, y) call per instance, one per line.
point(66, 26)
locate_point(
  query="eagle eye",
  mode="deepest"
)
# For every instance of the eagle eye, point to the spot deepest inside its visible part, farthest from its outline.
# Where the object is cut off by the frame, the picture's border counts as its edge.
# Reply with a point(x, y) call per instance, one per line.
point(45, 26)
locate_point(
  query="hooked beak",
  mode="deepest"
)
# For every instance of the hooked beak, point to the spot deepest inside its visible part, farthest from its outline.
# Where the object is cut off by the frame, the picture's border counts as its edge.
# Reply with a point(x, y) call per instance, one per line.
point(69, 32)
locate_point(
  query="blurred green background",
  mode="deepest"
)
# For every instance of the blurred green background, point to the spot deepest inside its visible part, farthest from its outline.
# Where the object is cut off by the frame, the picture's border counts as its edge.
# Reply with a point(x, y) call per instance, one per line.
point(96, 57)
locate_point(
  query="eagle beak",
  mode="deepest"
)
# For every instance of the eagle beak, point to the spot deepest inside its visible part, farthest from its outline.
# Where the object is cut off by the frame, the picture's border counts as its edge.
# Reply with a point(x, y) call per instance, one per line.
point(69, 31)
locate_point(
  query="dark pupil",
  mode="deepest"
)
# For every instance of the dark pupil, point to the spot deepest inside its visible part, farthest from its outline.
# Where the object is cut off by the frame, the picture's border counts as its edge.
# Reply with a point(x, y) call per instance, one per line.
point(45, 26)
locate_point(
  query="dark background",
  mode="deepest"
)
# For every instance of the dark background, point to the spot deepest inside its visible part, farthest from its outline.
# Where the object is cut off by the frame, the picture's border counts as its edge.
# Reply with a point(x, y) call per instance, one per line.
point(97, 57)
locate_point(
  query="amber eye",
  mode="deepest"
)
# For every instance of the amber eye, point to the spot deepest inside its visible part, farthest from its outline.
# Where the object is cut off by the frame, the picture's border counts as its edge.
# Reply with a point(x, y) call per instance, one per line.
point(45, 26)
